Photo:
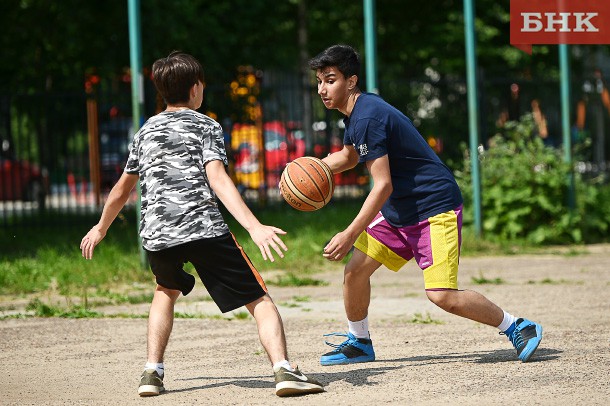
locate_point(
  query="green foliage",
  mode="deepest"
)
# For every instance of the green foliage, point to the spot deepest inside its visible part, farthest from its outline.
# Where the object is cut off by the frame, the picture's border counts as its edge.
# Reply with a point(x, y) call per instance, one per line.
point(68, 39)
point(524, 188)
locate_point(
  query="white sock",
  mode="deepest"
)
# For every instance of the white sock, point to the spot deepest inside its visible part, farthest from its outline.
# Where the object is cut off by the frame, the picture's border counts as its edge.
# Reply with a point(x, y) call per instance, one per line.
point(282, 364)
point(359, 329)
point(156, 366)
point(508, 320)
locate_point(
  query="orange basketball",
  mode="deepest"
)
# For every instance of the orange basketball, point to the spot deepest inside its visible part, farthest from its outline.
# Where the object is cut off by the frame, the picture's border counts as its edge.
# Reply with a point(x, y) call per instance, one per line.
point(307, 184)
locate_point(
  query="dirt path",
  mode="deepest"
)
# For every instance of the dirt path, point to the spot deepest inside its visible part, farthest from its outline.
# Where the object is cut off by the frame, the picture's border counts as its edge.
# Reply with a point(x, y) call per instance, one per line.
point(221, 362)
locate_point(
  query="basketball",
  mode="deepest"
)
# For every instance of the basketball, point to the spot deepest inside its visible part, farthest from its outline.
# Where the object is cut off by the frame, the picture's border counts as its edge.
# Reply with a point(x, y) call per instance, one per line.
point(307, 184)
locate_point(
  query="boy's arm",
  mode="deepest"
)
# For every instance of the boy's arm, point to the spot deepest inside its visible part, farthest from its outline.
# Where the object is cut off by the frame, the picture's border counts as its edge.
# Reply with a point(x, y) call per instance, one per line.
point(340, 244)
point(343, 160)
point(263, 236)
point(116, 200)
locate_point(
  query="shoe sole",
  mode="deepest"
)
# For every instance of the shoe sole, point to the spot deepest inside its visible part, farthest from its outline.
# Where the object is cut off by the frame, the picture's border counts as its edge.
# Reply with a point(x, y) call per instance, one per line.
point(150, 390)
point(532, 345)
point(291, 388)
point(346, 361)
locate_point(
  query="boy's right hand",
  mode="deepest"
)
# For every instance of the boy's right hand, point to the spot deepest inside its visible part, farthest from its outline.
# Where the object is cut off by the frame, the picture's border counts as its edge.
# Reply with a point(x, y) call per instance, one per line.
point(90, 240)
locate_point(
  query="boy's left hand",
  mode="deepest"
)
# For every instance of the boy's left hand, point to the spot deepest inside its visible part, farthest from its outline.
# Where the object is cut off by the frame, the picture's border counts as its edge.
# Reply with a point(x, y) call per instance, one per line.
point(267, 236)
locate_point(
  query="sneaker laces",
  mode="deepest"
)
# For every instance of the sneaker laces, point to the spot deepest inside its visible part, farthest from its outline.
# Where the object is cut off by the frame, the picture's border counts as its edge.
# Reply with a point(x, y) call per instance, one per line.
point(338, 346)
point(516, 338)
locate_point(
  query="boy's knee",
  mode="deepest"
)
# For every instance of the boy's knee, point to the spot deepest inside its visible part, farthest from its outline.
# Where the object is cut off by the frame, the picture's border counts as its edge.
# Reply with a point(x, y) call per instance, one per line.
point(262, 302)
point(445, 299)
point(171, 293)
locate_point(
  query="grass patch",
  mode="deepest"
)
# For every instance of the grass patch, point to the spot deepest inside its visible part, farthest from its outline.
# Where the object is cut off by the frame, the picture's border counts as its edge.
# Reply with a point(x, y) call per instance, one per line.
point(549, 281)
point(291, 279)
point(241, 315)
point(418, 318)
point(118, 298)
point(482, 280)
point(289, 305)
point(41, 309)
point(301, 299)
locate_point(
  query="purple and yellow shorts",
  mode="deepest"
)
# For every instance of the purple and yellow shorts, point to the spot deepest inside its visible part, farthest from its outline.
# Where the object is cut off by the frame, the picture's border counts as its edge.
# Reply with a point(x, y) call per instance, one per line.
point(434, 243)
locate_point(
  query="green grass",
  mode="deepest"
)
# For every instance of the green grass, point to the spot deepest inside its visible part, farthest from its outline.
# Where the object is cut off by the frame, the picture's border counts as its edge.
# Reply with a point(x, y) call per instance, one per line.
point(549, 281)
point(48, 259)
point(41, 309)
point(482, 280)
point(418, 318)
point(291, 279)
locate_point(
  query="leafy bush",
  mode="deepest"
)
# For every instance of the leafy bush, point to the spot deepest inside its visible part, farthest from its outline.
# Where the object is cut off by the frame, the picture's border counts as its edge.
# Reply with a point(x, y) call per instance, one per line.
point(525, 190)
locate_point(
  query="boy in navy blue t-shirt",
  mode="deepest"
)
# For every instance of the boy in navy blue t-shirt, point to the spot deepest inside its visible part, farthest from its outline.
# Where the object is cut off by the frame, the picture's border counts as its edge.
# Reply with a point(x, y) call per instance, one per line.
point(414, 210)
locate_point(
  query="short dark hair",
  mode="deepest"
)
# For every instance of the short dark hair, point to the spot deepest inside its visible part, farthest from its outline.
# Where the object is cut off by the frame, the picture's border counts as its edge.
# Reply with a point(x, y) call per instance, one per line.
point(174, 76)
point(344, 57)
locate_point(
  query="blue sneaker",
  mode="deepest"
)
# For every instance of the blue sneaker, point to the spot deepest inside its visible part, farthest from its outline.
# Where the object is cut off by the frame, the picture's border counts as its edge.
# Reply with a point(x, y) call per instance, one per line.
point(525, 336)
point(351, 351)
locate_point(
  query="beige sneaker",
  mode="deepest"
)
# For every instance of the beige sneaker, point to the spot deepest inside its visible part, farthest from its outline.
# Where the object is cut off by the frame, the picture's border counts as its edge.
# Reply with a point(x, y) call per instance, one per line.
point(151, 384)
point(294, 383)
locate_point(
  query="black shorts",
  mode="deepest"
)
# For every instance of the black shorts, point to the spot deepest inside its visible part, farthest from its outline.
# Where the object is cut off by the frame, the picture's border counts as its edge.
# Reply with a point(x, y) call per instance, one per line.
point(223, 266)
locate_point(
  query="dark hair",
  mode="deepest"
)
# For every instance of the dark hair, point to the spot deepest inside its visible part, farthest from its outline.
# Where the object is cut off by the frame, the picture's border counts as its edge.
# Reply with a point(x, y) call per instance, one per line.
point(344, 57)
point(175, 75)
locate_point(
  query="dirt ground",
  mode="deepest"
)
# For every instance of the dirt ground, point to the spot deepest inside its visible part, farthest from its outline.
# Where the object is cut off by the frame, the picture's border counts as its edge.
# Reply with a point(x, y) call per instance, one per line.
point(451, 361)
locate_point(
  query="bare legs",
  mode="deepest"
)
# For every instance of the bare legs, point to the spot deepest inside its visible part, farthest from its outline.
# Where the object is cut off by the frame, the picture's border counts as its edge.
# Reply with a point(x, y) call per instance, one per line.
point(464, 303)
point(468, 304)
point(161, 321)
point(357, 285)
point(270, 328)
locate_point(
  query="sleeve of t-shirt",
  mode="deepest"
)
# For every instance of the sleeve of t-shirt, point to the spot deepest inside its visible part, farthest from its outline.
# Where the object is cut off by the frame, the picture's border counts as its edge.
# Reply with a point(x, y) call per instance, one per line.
point(370, 139)
point(133, 161)
point(214, 146)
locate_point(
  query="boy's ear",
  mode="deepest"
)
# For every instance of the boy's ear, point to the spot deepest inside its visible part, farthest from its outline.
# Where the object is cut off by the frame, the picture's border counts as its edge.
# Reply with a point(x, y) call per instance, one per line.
point(194, 90)
point(352, 81)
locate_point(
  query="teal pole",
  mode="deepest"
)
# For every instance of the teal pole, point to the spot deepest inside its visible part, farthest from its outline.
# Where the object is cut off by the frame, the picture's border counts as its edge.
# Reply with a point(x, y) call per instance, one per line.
point(473, 111)
point(370, 46)
point(370, 50)
point(564, 66)
point(137, 92)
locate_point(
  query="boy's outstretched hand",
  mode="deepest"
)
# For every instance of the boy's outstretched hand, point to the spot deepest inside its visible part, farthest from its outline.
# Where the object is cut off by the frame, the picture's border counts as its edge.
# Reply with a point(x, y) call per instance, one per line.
point(89, 241)
point(267, 236)
point(339, 246)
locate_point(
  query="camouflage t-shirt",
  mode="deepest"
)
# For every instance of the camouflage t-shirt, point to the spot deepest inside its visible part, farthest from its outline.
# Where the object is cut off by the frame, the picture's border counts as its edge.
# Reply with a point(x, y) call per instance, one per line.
point(169, 154)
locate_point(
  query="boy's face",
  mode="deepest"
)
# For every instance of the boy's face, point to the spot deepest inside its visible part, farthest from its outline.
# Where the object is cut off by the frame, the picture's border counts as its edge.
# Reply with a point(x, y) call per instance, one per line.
point(334, 88)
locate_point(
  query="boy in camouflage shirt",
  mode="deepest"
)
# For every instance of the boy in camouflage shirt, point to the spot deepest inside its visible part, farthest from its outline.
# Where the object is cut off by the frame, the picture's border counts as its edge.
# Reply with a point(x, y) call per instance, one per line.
point(179, 158)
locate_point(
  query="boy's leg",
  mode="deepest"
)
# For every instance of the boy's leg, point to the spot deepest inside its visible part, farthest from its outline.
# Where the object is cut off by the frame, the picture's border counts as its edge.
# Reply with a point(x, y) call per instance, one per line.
point(270, 328)
point(524, 334)
point(357, 285)
point(440, 237)
point(160, 323)
point(356, 299)
point(469, 304)
point(289, 381)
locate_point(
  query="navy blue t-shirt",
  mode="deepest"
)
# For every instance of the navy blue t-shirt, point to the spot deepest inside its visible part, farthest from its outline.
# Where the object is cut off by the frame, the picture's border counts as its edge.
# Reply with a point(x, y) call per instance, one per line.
point(423, 185)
